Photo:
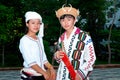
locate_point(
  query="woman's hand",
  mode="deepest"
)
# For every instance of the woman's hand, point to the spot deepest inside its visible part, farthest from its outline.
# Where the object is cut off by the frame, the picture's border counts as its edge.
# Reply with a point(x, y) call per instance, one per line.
point(46, 76)
point(51, 71)
point(52, 74)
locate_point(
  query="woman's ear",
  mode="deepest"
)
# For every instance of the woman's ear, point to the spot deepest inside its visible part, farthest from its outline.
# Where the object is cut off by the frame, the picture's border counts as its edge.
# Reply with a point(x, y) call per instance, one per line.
point(26, 24)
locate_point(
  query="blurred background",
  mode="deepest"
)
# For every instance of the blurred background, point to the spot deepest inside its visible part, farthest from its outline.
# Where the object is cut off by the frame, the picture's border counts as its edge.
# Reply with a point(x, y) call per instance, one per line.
point(100, 18)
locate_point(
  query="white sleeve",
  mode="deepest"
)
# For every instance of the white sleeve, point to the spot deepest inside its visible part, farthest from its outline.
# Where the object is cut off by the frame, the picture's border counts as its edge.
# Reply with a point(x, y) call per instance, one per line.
point(25, 49)
point(44, 54)
point(88, 58)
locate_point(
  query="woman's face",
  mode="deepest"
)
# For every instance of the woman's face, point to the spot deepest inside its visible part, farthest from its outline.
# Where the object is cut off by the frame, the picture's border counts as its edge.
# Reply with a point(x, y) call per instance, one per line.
point(67, 22)
point(33, 25)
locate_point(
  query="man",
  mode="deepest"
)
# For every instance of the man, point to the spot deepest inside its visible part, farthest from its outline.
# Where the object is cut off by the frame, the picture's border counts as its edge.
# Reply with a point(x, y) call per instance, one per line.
point(76, 44)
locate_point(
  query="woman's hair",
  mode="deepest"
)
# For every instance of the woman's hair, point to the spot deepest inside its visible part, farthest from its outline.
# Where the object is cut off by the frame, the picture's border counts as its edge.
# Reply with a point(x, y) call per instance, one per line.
point(26, 28)
point(67, 15)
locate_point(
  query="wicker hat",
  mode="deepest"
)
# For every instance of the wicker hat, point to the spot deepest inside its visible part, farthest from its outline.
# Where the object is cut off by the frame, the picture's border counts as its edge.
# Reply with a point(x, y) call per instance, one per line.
point(67, 10)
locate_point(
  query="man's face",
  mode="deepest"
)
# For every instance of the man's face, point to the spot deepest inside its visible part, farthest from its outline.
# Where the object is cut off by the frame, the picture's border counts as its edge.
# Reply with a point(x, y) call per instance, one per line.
point(67, 22)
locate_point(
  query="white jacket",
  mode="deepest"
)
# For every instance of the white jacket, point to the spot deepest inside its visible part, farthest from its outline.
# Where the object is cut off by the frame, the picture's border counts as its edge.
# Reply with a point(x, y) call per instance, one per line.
point(79, 48)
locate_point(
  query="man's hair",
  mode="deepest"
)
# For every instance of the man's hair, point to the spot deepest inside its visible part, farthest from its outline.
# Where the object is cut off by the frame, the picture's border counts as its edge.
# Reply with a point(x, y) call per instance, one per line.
point(67, 15)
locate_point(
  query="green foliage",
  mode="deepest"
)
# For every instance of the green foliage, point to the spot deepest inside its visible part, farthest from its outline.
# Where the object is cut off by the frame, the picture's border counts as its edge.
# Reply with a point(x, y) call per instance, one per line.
point(115, 37)
point(8, 24)
point(114, 43)
point(5, 22)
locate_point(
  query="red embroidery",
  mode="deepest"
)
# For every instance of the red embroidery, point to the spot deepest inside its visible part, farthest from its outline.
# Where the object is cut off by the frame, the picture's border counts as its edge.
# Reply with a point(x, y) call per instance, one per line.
point(91, 57)
point(63, 35)
point(77, 31)
point(81, 75)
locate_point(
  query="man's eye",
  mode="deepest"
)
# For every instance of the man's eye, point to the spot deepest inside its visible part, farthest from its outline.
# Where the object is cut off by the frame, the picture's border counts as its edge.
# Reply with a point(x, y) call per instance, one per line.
point(62, 20)
point(40, 23)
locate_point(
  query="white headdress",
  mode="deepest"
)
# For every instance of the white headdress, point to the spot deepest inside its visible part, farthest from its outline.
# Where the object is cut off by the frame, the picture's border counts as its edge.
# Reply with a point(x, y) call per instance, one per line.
point(32, 15)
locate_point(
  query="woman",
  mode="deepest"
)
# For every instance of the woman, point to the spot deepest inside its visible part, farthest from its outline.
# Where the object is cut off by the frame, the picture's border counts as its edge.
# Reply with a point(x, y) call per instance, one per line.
point(36, 65)
point(76, 44)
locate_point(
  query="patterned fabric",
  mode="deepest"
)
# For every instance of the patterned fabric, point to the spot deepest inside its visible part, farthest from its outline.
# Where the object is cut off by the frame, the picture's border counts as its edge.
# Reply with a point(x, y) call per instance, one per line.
point(79, 48)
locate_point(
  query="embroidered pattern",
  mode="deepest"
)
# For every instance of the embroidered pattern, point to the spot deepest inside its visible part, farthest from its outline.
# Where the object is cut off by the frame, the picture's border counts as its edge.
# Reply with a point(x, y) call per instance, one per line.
point(64, 72)
point(76, 64)
point(69, 50)
point(77, 53)
point(82, 36)
point(80, 45)
point(81, 74)
point(71, 44)
point(89, 41)
point(91, 57)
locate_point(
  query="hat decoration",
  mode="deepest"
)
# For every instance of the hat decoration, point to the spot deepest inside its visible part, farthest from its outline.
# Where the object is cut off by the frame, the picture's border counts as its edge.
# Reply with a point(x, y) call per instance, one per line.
point(67, 10)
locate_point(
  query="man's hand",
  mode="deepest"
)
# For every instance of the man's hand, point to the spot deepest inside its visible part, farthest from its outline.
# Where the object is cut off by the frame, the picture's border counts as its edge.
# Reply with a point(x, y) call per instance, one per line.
point(58, 55)
point(78, 77)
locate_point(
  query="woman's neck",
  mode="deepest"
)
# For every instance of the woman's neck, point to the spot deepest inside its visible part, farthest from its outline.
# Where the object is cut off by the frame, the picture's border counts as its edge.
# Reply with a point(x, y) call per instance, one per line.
point(32, 36)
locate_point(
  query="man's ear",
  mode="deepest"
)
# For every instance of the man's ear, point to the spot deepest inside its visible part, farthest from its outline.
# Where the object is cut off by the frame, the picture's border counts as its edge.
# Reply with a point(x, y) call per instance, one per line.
point(75, 21)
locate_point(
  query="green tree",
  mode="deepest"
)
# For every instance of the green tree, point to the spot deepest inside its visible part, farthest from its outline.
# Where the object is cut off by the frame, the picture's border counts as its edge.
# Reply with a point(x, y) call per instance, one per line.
point(94, 13)
point(8, 30)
